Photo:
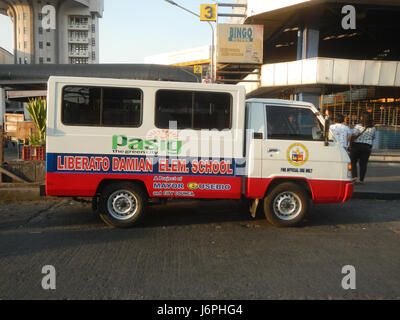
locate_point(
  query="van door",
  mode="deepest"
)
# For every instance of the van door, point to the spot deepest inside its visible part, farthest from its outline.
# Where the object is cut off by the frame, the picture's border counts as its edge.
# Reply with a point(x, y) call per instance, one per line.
point(293, 147)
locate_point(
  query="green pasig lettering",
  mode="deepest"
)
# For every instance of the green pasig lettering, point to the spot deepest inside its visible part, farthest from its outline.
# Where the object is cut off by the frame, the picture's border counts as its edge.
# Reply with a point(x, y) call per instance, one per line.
point(119, 141)
point(136, 144)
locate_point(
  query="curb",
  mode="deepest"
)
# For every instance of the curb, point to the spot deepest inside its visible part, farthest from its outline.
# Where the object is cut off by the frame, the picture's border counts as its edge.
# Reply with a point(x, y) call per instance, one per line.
point(28, 193)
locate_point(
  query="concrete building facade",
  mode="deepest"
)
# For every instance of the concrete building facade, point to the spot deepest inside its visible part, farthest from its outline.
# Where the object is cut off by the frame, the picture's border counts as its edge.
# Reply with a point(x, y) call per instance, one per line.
point(343, 56)
point(54, 31)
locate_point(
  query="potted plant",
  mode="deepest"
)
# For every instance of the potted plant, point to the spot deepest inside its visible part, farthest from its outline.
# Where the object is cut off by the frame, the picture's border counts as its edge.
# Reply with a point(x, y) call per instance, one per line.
point(36, 148)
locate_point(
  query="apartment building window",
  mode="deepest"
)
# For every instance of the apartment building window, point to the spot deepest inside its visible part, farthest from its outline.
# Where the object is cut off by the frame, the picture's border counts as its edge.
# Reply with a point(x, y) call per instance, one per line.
point(78, 35)
point(40, 16)
point(78, 48)
point(93, 42)
point(41, 60)
point(78, 21)
point(25, 44)
point(79, 61)
point(93, 28)
point(48, 44)
point(48, 59)
point(93, 55)
point(40, 30)
point(40, 45)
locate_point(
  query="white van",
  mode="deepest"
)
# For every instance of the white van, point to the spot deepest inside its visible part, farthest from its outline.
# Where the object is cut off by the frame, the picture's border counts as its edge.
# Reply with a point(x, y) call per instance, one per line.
point(123, 142)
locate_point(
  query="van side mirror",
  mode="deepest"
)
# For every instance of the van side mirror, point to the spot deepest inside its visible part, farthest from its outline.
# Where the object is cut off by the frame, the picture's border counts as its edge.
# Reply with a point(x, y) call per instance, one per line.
point(326, 132)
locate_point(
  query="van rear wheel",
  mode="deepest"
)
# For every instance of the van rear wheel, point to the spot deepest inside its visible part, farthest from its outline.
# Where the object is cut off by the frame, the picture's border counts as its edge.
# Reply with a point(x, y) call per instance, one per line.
point(286, 205)
point(122, 205)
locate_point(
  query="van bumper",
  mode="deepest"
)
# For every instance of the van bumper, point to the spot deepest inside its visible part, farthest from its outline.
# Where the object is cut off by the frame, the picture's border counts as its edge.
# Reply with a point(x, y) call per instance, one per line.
point(348, 191)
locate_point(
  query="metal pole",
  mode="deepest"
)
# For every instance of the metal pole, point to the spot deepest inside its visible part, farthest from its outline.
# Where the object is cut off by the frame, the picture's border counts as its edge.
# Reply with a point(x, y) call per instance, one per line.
point(2, 105)
point(2, 113)
point(1, 148)
point(212, 35)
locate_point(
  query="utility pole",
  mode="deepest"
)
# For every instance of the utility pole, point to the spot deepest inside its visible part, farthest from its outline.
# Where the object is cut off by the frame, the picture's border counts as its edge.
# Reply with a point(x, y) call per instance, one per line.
point(2, 113)
point(213, 75)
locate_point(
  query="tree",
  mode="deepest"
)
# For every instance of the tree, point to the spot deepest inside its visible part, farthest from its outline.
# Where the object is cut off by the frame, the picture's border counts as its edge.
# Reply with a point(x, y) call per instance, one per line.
point(37, 110)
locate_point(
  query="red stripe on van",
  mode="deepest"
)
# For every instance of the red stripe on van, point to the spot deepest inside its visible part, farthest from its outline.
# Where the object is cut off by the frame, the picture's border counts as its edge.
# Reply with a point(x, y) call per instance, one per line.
point(85, 185)
point(323, 191)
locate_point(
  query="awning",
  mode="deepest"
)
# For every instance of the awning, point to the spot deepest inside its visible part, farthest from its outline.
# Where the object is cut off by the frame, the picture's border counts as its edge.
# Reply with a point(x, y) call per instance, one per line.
point(36, 75)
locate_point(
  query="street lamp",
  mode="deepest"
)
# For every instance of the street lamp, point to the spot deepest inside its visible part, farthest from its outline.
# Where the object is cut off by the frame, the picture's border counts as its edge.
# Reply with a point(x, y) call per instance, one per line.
point(212, 36)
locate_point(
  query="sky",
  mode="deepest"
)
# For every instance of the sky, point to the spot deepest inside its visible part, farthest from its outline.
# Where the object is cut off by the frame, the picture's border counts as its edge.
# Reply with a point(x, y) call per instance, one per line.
point(131, 30)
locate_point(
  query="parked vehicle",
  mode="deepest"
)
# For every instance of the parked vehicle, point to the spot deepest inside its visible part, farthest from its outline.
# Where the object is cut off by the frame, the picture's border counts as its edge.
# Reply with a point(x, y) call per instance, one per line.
point(123, 142)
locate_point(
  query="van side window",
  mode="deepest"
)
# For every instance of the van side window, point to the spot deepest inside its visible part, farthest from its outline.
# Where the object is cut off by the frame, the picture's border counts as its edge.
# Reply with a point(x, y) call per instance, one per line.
point(193, 109)
point(290, 123)
point(102, 107)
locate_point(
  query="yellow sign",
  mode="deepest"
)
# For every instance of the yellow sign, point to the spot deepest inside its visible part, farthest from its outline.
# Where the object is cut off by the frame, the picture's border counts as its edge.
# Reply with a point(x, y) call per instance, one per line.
point(197, 69)
point(297, 154)
point(240, 43)
point(208, 12)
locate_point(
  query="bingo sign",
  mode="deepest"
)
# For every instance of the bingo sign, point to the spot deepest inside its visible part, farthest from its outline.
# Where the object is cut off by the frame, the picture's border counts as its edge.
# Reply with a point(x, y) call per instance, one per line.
point(297, 154)
point(238, 43)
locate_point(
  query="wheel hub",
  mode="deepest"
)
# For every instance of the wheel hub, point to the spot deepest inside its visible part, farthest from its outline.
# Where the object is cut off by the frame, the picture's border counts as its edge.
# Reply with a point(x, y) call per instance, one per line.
point(287, 205)
point(122, 205)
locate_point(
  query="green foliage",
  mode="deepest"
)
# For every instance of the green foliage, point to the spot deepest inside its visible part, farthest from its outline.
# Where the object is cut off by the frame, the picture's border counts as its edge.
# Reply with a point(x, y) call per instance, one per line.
point(35, 140)
point(37, 110)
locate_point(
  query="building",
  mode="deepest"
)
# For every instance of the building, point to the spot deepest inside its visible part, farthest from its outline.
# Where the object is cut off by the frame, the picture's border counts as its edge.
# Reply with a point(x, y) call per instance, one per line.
point(343, 56)
point(6, 57)
point(309, 55)
point(54, 31)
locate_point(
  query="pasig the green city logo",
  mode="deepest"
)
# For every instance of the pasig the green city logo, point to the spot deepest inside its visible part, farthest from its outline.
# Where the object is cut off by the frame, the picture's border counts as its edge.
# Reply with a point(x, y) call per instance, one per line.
point(121, 142)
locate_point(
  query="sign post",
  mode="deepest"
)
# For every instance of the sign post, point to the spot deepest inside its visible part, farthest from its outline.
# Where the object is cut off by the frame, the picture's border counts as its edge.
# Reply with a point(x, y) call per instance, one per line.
point(209, 13)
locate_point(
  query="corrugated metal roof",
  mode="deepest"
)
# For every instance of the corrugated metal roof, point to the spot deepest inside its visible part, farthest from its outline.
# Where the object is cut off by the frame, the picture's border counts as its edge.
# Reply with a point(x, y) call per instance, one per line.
point(41, 72)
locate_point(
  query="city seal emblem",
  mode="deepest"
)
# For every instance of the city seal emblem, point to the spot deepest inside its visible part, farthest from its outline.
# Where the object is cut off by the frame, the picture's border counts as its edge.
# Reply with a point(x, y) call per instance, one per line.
point(297, 154)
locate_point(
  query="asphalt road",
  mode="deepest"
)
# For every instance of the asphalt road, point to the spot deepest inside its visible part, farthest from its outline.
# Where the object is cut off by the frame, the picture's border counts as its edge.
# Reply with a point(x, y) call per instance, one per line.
point(199, 250)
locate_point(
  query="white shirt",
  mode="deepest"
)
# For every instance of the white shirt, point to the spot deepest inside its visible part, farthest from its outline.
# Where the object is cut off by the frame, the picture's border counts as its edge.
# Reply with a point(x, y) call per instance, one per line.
point(367, 136)
point(341, 133)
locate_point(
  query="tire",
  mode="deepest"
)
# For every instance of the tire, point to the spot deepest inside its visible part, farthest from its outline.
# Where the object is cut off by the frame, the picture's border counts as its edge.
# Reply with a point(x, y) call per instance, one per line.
point(286, 205)
point(122, 205)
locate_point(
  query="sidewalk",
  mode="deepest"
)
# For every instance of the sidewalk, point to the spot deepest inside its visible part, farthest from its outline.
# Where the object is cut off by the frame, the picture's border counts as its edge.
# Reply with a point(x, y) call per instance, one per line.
point(383, 177)
point(382, 182)
point(385, 156)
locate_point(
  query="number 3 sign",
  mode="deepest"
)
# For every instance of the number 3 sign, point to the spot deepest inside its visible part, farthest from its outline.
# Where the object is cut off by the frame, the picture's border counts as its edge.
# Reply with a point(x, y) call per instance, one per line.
point(208, 12)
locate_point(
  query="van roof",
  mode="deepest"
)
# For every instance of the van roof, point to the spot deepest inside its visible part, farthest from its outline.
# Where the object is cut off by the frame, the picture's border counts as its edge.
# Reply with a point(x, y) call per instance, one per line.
point(281, 101)
point(117, 82)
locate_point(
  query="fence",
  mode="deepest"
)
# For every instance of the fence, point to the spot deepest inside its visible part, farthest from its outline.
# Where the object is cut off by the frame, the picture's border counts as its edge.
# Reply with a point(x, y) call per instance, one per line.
point(387, 138)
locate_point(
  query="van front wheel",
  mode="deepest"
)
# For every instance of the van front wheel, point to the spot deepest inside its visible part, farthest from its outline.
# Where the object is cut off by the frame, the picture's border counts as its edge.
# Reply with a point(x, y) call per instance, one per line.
point(122, 205)
point(286, 205)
